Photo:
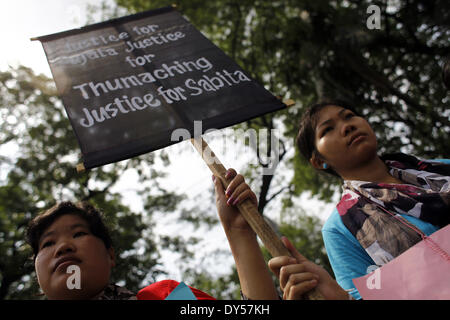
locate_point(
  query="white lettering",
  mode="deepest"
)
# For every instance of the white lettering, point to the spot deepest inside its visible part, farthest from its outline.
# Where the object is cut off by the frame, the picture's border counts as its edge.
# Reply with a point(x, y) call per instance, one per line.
point(373, 21)
point(374, 281)
point(74, 281)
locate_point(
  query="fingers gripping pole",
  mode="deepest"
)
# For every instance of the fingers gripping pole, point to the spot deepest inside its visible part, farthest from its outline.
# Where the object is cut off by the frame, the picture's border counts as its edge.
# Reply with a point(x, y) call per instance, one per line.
point(248, 210)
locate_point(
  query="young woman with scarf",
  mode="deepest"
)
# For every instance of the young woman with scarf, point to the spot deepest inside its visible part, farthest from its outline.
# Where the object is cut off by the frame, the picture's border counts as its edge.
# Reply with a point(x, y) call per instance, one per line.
point(360, 234)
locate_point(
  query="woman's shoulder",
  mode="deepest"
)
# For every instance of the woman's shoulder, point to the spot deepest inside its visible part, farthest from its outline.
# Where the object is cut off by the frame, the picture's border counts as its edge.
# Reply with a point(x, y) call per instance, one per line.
point(334, 227)
point(333, 221)
point(334, 230)
point(446, 161)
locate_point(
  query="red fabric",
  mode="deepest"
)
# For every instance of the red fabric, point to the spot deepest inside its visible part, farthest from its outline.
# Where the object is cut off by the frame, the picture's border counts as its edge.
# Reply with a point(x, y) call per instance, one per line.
point(161, 289)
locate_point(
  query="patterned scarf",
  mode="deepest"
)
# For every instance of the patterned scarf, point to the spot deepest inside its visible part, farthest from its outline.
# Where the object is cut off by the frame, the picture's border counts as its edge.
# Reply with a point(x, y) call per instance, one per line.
point(114, 292)
point(370, 210)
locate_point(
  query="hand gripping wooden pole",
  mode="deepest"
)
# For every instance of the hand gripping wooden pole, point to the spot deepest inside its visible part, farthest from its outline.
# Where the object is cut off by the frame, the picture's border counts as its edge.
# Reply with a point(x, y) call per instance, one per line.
point(248, 210)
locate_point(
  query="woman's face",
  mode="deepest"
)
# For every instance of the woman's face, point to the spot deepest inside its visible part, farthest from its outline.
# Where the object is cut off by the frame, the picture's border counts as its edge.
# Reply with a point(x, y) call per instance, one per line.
point(344, 140)
point(66, 242)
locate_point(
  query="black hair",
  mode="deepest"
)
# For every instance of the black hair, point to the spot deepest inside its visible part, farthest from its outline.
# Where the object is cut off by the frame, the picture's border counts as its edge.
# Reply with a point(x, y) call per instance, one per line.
point(89, 213)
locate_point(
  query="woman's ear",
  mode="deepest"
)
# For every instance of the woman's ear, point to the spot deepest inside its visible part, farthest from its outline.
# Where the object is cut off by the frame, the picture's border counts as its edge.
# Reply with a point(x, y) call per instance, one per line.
point(316, 162)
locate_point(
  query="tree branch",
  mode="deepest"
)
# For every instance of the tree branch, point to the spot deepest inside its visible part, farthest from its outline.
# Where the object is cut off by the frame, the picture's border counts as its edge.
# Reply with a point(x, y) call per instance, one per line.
point(277, 193)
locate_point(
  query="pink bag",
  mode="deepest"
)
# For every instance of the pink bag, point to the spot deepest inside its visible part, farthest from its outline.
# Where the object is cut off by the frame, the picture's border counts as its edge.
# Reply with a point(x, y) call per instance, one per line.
point(420, 273)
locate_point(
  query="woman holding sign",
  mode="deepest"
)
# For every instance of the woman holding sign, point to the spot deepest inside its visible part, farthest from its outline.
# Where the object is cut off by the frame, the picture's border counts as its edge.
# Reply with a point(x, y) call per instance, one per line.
point(360, 233)
point(255, 279)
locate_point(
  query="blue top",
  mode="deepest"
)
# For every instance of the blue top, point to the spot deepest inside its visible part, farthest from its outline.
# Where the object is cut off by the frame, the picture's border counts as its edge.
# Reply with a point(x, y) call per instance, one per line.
point(347, 257)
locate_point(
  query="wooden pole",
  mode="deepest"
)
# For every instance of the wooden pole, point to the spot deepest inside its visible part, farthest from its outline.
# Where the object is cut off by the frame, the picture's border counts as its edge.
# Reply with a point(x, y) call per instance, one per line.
point(80, 168)
point(248, 210)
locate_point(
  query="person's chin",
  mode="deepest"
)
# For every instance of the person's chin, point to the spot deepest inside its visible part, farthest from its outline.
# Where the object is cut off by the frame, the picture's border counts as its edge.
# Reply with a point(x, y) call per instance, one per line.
point(364, 149)
point(61, 291)
point(64, 293)
point(68, 294)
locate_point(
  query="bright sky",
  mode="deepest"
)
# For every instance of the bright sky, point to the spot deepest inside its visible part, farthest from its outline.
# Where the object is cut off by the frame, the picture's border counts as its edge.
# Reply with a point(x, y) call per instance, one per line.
point(21, 20)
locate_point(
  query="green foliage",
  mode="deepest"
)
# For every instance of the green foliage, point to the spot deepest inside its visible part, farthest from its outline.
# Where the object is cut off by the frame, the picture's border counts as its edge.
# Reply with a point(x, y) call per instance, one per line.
point(306, 179)
point(312, 49)
point(38, 168)
point(304, 50)
point(222, 288)
point(304, 232)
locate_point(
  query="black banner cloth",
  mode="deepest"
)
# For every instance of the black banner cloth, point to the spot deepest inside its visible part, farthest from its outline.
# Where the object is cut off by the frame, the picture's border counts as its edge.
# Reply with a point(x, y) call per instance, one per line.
point(128, 83)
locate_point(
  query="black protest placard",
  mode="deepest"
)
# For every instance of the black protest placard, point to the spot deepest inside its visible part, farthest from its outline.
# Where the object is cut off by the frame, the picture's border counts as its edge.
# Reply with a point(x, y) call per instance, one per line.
point(128, 83)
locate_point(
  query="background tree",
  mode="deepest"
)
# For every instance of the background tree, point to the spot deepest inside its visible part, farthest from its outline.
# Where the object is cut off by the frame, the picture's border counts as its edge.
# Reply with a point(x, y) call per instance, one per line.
point(304, 50)
point(39, 154)
point(313, 49)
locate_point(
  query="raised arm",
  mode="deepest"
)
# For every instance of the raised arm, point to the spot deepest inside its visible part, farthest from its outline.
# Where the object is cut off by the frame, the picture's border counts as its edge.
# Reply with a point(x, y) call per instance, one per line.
point(254, 276)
